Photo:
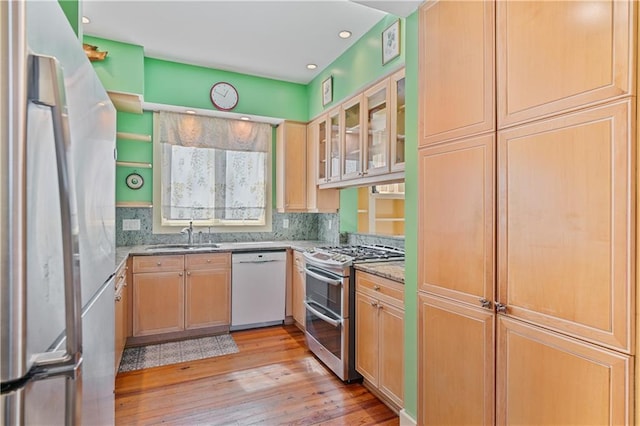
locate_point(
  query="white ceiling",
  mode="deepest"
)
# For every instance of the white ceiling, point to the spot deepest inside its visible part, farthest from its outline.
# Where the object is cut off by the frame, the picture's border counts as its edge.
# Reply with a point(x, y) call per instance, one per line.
point(273, 39)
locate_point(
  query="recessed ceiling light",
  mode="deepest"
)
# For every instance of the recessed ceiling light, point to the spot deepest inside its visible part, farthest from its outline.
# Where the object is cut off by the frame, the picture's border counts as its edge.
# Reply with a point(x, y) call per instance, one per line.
point(344, 34)
point(245, 118)
point(311, 66)
point(190, 111)
point(86, 20)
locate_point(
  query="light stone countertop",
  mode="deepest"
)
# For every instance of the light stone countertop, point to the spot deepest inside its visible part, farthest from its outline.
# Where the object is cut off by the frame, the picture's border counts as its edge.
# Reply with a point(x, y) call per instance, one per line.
point(123, 252)
point(393, 270)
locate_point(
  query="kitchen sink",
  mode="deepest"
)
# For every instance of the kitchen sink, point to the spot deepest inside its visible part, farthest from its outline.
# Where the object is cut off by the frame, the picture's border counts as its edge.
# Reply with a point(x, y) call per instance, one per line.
point(186, 247)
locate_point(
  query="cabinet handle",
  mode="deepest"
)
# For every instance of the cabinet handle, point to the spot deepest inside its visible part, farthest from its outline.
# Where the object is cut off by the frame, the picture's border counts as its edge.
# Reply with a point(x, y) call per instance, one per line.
point(485, 303)
point(374, 304)
point(500, 308)
point(376, 287)
point(188, 273)
point(208, 260)
point(180, 274)
point(159, 263)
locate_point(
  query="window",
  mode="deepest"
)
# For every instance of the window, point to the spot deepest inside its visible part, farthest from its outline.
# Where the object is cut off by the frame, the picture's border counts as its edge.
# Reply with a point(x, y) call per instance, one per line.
point(212, 171)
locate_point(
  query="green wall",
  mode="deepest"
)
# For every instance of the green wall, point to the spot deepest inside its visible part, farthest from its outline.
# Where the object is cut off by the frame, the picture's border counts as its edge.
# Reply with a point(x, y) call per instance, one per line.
point(360, 65)
point(123, 68)
point(71, 9)
point(411, 219)
point(189, 85)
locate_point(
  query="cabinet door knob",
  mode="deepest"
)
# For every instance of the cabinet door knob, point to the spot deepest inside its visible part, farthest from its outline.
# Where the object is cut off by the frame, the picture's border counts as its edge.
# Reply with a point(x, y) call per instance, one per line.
point(159, 263)
point(374, 304)
point(376, 287)
point(188, 273)
point(180, 274)
point(500, 308)
point(485, 303)
point(208, 260)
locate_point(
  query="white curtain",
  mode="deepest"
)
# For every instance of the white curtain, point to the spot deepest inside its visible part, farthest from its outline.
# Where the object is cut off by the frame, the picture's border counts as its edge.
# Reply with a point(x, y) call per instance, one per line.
point(212, 168)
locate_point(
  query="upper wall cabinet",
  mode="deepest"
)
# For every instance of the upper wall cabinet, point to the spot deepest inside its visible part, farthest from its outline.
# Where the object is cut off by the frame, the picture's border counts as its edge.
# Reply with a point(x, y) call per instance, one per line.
point(319, 200)
point(561, 55)
point(456, 70)
point(291, 164)
point(397, 125)
point(361, 141)
point(352, 137)
point(296, 188)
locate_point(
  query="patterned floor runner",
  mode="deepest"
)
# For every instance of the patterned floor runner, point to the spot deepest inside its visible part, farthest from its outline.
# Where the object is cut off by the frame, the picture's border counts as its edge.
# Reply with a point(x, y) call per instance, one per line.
point(137, 358)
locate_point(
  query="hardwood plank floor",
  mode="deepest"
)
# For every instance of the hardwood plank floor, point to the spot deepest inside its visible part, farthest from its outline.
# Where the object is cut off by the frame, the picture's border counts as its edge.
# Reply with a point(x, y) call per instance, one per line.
point(273, 380)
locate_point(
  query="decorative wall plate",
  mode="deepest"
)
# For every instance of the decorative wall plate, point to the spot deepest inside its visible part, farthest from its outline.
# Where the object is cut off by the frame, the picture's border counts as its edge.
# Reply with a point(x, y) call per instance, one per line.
point(135, 181)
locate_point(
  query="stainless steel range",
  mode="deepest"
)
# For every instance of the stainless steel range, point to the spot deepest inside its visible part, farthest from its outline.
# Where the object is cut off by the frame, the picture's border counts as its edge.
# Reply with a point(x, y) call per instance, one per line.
point(330, 302)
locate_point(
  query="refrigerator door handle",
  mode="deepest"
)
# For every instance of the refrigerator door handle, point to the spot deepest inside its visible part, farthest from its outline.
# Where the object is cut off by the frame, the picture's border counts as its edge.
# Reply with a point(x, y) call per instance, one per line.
point(45, 86)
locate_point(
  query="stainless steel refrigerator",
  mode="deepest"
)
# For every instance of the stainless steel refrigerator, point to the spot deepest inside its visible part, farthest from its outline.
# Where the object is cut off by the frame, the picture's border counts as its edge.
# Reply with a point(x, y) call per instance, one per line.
point(57, 223)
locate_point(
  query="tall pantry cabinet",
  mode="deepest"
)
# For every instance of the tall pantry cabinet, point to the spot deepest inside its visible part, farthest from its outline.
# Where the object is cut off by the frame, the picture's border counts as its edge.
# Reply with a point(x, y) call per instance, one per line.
point(527, 217)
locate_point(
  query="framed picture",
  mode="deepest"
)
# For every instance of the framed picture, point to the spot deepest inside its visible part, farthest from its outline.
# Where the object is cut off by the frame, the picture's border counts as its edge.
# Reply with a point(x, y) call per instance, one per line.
point(327, 90)
point(391, 42)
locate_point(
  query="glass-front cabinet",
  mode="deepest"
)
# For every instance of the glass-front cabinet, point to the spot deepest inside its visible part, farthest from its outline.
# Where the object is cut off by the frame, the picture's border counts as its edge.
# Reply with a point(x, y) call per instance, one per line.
point(352, 138)
point(376, 141)
point(397, 127)
point(361, 141)
point(334, 152)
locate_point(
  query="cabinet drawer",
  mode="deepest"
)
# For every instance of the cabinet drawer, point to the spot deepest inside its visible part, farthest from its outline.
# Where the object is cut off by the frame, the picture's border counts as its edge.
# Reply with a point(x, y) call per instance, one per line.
point(207, 260)
point(158, 263)
point(380, 288)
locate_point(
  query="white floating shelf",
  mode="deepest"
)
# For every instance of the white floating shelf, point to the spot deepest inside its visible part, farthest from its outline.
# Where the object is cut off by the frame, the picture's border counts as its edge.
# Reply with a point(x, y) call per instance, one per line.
point(126, 102)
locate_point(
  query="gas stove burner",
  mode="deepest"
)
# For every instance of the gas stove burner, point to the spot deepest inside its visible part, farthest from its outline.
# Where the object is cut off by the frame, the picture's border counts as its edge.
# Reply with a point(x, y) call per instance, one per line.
point(360, 253)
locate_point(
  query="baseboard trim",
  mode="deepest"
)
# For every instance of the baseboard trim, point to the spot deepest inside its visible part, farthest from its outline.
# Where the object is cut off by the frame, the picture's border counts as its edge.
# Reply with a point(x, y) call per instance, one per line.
point(405, 419)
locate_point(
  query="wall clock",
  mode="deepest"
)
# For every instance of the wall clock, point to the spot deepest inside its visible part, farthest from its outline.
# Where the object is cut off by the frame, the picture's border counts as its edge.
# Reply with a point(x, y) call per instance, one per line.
point(224, 96)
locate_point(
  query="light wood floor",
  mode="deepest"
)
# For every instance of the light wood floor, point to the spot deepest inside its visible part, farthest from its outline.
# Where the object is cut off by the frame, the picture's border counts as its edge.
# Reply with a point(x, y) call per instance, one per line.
point(273, 380)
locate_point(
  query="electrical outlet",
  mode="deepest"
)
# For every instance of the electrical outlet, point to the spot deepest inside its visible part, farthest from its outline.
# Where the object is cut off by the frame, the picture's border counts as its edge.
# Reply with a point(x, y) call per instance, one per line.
point(130, 224)
point(285, 223)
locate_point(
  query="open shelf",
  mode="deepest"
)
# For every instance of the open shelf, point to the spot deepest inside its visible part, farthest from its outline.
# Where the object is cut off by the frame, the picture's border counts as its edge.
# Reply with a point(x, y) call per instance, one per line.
point(133, 137)
point(134, 164)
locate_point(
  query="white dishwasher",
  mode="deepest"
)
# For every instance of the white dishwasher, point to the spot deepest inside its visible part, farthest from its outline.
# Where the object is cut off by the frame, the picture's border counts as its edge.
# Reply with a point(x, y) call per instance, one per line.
point(258, 283)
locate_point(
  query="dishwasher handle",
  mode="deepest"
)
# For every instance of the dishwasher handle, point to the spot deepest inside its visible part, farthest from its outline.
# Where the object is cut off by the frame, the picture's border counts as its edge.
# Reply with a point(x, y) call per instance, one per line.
point(259, 261)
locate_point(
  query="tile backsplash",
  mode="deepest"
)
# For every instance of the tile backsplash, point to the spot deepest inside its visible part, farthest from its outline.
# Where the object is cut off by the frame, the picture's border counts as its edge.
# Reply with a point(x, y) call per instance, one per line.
point(302, 226)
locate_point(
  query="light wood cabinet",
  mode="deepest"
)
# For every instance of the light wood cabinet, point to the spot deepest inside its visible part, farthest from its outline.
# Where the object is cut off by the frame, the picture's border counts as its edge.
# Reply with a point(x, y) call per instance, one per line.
point(531, 320)
point(377, 124)
point(291, 164)
point(158, 302)
point(319, 200)
point(180, 295)
point(545, 378)
point(456, 70)
point(380, 335)
point(361, 141)
point(456, 219)
point(121, 312)
point(456, 375)
point(208, 290)
point(566, 223)
point(352, 117)
point(398, 121)
point(298, 290)
point(562, 55)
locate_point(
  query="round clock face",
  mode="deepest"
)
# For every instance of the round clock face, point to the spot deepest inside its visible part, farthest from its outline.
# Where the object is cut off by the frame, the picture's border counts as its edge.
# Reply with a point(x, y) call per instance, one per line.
point(135, 181)
point(224, 96)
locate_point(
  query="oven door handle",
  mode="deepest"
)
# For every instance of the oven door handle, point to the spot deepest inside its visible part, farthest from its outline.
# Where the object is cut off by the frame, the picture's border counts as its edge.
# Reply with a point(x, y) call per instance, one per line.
point(324, 278)
point(335, 323)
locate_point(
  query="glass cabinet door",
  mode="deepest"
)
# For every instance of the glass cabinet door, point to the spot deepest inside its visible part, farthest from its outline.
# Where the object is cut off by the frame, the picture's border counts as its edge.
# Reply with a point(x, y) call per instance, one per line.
point(397, 120)
point(334, 145)
point(322, 150)
point(377, 124)
point(352, 134)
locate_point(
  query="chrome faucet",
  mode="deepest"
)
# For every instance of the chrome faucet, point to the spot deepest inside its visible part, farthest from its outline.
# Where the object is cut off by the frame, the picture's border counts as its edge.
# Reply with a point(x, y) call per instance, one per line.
point(188, 230)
